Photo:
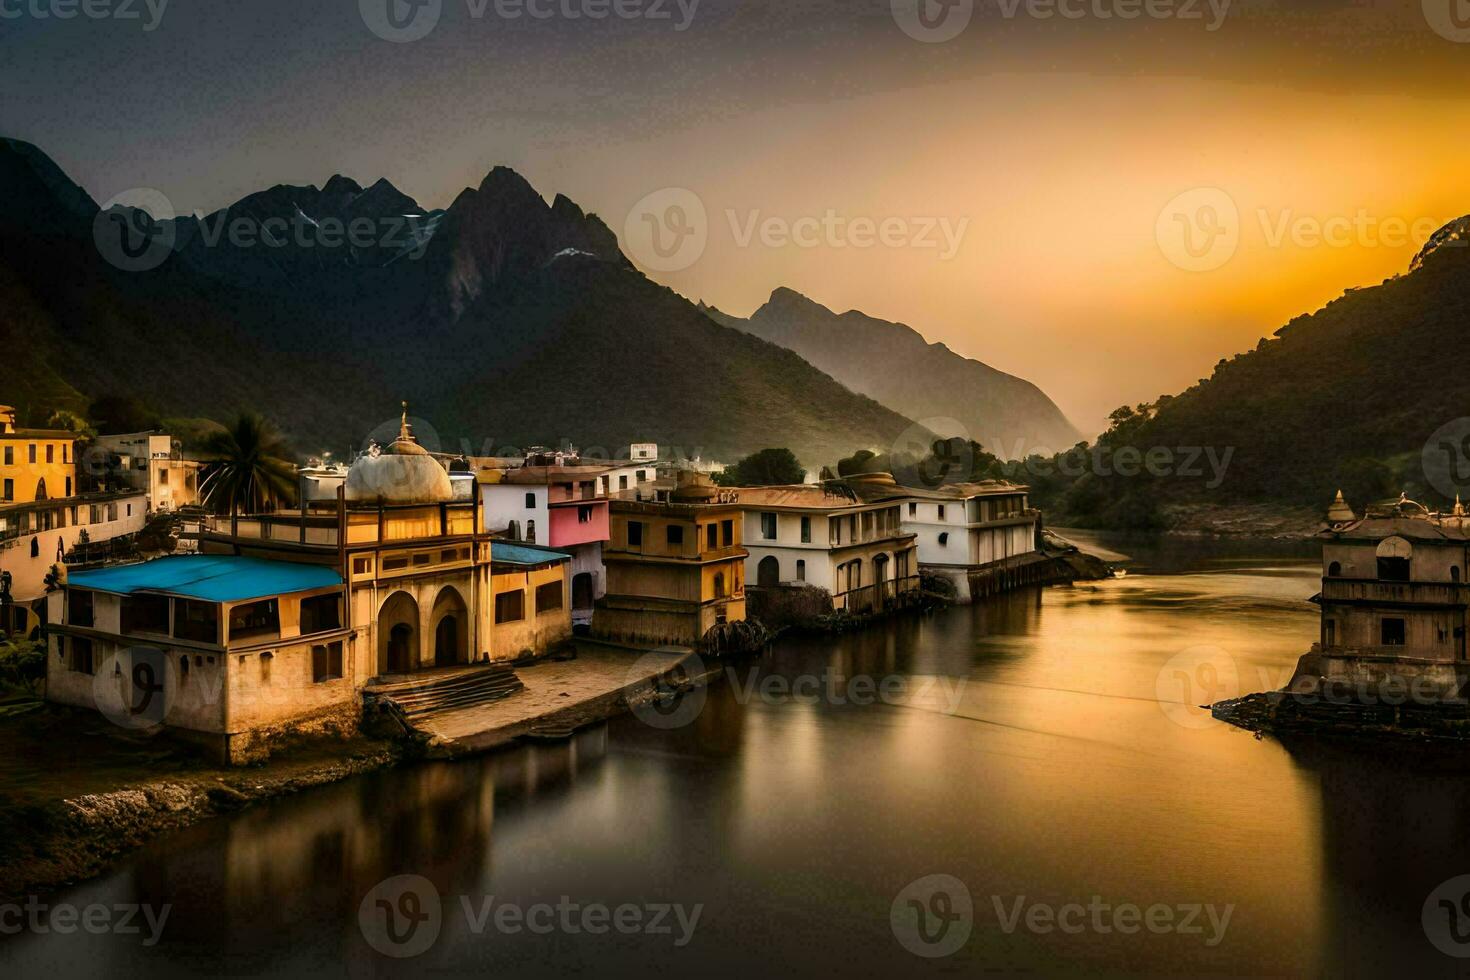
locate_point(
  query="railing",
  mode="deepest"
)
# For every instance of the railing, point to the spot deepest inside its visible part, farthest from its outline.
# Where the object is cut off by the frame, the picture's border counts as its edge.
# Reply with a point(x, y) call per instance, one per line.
point(1406, 593)
point(880, 595)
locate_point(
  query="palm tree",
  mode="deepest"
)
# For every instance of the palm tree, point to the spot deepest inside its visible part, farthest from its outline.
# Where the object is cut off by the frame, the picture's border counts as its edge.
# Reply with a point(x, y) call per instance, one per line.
point(249, 468)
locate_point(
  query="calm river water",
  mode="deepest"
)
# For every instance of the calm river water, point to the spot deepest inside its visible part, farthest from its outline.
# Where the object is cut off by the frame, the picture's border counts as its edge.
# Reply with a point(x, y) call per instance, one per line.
point(1040, 750)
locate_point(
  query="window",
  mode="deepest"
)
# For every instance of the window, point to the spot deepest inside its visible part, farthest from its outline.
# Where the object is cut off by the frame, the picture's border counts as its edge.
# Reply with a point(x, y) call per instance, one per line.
point(1454, 573)
point(163, 476)
point(360, 566)
point(81, 655)
point(321, 613)
point(266, 659)
point(394, 564)
point(801, 569)
point(719, 585)
point(530, 532)
point(913, 509)
point(31, 453)
point(260, 618)
point(68, 486)
point(768, 527)
point(530, 501)
point(78, 607)
point(145, 614)
point(326, 662)
point(1393, 569)
point(195, 620)
point(510, 606)
point(675, 534)
point(943, 538)
point(130, 510)
point(1392, 632)
point(184, 669)
point(623, 482)
point(454, 554)
point(941, 512)
point(423, 558)
point(711, 536)
point(1329, 632)
point(1334, 570)
point(806, 530)
point(584, 514)
point(727, 533)
point(9, 491)
point(635, 534)
point(548, 597)
point(112, 512)
point(50, 454)
point(9, 455)
point(642, 476)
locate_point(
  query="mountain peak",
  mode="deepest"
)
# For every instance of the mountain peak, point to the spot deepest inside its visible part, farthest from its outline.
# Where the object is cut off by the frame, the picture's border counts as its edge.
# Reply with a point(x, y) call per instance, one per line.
point(1456, 234)
point(786, 302)
point(338, 184)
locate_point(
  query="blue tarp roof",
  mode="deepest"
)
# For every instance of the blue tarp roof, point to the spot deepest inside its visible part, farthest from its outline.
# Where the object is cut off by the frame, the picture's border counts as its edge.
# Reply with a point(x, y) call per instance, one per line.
point(519, 554)
point(213, 578)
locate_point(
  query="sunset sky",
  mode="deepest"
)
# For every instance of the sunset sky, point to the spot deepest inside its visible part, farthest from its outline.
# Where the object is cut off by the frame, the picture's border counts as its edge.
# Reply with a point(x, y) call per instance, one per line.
point(1061, 146)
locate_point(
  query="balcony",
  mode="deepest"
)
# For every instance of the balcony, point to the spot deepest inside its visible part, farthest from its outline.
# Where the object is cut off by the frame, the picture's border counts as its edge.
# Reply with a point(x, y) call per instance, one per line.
point(869, 598)
point(1374, 592)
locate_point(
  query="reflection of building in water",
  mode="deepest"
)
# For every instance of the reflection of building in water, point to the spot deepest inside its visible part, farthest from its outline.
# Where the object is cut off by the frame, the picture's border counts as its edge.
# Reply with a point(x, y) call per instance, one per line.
point(283, 618)
point(1394, 600)
point(1370, 907)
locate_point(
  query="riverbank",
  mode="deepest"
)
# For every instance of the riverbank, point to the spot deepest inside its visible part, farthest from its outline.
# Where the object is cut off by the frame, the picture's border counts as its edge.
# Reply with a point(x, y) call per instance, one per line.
point(77, 793)
point(1279, 713)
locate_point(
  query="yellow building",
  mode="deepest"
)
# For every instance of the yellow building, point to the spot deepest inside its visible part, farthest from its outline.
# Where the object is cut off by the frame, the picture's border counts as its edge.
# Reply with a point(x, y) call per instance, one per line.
point(675, 567)
point(35, 464)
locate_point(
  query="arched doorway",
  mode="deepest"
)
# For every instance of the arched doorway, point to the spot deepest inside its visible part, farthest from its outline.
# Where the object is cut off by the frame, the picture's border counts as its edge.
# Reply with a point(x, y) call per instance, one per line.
point(768, 572)
point(398, 639)
point(451, 629)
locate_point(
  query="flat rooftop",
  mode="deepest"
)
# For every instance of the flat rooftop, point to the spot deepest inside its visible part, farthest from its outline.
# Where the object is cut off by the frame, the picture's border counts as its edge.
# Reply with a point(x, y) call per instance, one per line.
point(210, 578)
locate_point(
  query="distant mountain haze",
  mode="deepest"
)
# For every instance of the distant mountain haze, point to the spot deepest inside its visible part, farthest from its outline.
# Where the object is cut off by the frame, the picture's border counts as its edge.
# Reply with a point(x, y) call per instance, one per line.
point(503, 320)
point(894, 364)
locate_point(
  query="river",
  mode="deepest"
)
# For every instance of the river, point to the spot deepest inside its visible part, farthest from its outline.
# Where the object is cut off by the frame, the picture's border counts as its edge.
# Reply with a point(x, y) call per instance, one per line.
point(1042, 751)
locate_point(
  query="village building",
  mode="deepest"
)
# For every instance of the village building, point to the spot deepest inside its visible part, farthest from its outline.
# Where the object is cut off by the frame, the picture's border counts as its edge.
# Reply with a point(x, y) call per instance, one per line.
point(153, 462)
point(283, 619)
point(1395, 601)
point(979, 536)
point(828, 537)
point(45, 519)
point(675, 566)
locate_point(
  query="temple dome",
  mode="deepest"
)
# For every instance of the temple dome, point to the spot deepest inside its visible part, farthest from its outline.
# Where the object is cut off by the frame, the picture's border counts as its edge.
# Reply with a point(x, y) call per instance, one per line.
point(401, 473)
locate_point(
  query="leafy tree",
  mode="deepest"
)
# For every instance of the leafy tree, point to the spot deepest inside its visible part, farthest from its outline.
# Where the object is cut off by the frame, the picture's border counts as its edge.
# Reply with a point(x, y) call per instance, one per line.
point(861, 461)
point(249, 468)
point(767, 468)
point(72, 422)
point(22, 663)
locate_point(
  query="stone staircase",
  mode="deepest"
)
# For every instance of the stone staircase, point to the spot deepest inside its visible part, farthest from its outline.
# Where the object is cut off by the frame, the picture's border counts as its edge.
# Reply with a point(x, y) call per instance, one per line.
point(452, 692)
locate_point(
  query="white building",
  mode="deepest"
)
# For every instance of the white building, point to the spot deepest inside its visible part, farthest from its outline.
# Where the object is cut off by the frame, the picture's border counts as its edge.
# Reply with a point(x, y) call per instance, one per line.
point(830, 538)
point(970, 527)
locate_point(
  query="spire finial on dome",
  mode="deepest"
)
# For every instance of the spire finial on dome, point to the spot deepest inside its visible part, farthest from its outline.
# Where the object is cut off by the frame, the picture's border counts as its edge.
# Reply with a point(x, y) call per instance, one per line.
point(404, 432)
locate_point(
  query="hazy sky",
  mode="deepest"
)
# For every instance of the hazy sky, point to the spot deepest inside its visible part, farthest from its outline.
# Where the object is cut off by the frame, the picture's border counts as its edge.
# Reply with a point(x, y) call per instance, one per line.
point(1103, 196)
